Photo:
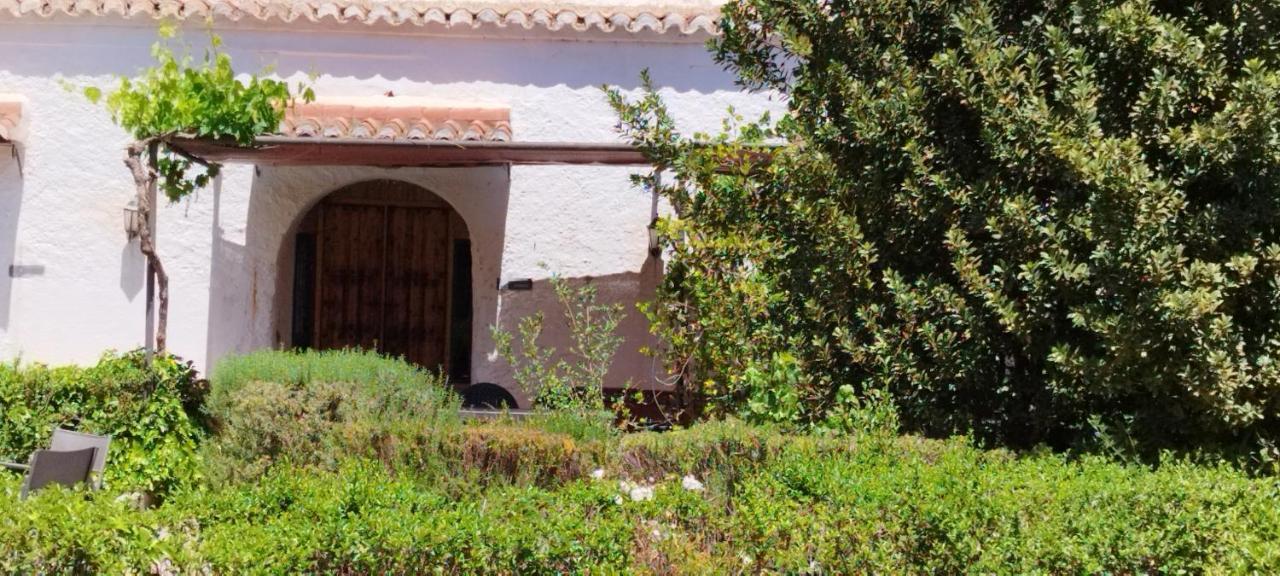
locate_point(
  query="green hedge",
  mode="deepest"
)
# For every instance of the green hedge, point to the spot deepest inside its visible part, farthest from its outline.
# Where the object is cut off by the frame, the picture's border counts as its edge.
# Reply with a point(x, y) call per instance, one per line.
point(366, 489)
point(793, 505)
point(150, 412)
point(317, 407)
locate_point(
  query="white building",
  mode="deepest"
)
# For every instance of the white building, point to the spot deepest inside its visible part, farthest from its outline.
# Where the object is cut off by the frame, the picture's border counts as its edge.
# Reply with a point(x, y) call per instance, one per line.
point(311, 247)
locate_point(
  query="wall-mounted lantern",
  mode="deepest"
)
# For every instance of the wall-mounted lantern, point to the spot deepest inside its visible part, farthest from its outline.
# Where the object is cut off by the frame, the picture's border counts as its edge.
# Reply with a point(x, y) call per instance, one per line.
point(132, 219)
point(655, 242)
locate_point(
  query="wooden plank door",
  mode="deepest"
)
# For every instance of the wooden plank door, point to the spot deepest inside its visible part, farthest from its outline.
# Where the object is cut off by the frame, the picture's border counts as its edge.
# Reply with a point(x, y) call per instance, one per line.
point(349, 293)
point(383, 280)
point(416, 311)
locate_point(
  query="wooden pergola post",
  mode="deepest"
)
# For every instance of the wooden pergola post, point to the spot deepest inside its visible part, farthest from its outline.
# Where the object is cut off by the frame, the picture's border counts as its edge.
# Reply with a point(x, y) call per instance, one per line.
point(149, 338)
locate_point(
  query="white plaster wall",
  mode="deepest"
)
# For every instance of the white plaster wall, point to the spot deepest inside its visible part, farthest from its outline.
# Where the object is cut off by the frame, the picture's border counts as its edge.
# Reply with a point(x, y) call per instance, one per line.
point(10, 205)
point(222, 246)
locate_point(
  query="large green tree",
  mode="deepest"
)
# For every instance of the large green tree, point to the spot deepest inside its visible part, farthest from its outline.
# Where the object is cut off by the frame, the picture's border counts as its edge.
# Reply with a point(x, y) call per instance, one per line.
point(1035, 221)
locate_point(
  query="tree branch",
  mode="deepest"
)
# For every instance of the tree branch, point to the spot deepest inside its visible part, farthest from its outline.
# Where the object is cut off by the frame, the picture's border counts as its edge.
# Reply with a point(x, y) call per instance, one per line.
point(143, 177)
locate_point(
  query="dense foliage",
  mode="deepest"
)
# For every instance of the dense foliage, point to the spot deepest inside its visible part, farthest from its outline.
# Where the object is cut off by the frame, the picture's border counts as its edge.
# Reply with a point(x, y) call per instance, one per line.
point(771, 504)
point(318, 409)
point(1036, 221)
point(390, 482)
point(150, 411)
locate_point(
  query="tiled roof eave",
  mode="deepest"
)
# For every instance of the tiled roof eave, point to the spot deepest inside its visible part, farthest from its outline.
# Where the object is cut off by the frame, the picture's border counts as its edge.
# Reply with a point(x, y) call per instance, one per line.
point(396, 118)
point(695, 19)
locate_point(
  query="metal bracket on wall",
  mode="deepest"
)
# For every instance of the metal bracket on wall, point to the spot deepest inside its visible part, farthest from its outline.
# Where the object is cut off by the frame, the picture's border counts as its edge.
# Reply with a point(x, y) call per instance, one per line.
point(520, 284)
point(24, 270)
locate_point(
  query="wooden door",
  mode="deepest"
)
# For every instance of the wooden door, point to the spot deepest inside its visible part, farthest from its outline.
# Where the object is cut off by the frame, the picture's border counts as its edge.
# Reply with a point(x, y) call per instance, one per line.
point(383, 280)
point(352, 246)
point(417, 284)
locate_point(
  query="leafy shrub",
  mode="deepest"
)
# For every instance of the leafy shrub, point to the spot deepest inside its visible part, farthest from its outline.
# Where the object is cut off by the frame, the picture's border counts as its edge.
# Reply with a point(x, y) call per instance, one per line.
point(321, 408)
point(316, 408)
point(361, 521)
point(150, 412)
point(58, 531)
point(1014, 217)
point(570, 380)
point(798, 504)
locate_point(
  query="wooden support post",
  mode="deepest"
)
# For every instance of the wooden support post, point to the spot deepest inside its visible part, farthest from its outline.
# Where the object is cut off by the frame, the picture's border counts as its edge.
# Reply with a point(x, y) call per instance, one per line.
point(149, 340)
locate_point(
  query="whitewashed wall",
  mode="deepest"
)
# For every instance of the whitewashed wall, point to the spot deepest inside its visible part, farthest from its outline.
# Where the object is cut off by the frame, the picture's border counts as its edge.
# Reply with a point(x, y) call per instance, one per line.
point(223, 246)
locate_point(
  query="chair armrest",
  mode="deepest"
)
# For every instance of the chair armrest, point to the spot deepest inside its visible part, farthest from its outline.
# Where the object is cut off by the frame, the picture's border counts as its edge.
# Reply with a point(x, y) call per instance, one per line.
point(15, 466)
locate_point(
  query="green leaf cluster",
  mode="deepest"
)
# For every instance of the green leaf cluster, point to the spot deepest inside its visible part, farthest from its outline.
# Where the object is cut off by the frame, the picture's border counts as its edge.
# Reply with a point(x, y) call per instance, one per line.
point(429, 496)
point(180, 95)
point(1033, 221)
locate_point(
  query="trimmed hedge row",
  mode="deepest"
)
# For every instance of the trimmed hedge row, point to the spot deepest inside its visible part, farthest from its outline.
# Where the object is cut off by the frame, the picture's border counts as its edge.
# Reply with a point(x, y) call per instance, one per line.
point(347, 463)
point(789, 505)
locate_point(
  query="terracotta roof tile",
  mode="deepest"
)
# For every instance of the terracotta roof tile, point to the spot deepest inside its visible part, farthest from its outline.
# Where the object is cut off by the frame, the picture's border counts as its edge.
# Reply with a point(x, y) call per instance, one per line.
point(688, 17)
point(396, 118)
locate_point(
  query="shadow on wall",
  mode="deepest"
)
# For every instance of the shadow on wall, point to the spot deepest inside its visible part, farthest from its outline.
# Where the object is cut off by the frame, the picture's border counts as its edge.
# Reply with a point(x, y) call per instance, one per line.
point(682, 66)
point(10, 206)
point(133, 269)
point(631, 366)
point(227, 264)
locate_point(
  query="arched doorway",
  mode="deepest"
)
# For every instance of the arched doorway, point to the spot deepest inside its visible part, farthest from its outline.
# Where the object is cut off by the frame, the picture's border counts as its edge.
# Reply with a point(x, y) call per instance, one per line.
point(385, 265)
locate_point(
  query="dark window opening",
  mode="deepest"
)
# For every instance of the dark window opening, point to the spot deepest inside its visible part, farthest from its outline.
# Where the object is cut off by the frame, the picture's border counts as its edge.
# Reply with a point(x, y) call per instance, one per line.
point(304, 278)
point(460, 314)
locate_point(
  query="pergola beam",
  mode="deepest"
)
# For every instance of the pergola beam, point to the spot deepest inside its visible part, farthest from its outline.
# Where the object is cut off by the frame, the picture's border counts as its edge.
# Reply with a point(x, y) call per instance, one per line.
point(309, 151)
point(313, 151)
